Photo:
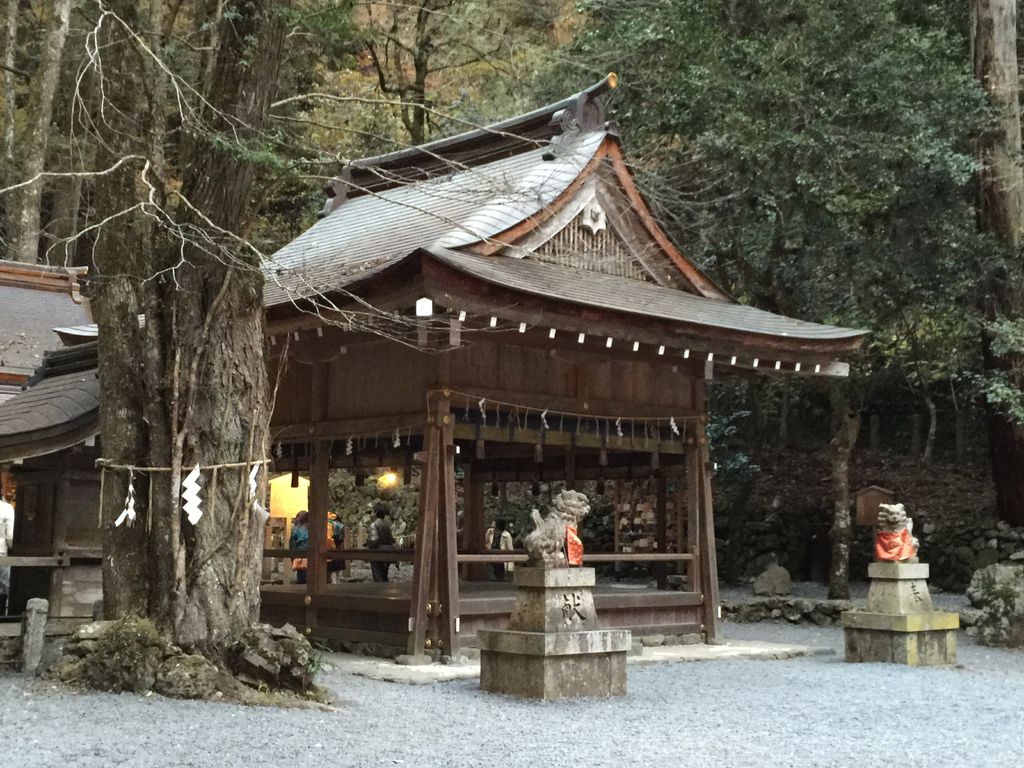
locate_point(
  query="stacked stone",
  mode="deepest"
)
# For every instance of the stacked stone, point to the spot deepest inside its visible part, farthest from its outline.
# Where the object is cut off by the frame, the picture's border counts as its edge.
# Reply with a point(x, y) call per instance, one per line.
point(554, 647)
point(900, 625)
point(794, 610)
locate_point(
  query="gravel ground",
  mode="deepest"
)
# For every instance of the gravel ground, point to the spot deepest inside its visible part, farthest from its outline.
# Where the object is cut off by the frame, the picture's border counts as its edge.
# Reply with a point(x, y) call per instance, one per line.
point(814, 711)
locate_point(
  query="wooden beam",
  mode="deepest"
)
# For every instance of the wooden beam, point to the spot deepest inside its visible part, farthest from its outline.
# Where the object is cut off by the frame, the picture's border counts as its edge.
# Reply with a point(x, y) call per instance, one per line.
point(319, 503)
point(661, 523)
point(709, 559)
point(447, 564)
point(426, 536)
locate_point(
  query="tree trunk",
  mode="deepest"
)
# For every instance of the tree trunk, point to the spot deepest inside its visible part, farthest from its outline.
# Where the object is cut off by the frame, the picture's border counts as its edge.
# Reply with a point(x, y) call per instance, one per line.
point(1001, 212)
point(199, 362)
point(847, 426)
point(23, 203)
point(10, 43)
point(933, 424)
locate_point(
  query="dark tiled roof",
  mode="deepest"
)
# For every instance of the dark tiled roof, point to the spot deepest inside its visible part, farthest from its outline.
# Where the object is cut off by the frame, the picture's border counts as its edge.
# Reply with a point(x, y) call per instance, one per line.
point(632, 296)
point(54, 405)
point(449, 211)
point(61, 403)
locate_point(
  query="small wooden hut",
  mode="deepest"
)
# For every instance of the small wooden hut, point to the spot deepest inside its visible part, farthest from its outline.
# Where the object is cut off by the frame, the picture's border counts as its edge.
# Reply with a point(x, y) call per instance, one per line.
point(502, 306)
point(48, 442)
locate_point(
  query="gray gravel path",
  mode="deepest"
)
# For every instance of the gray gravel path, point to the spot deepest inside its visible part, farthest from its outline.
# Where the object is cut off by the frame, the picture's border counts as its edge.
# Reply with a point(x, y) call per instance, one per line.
point(814, 711)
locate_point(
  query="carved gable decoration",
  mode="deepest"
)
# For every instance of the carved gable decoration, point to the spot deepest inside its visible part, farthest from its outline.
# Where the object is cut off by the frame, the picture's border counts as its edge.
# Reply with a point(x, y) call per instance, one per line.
point(587, 242)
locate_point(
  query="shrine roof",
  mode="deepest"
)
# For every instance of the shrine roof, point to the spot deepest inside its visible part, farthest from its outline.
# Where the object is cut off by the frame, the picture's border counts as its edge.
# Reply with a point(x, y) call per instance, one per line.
point(586, 287)
point(59, 407)
point(461, 208)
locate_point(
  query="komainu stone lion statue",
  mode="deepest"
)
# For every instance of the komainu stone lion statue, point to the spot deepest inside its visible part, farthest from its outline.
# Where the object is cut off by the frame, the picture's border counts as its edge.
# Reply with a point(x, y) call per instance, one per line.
point(895, 540)
point(545, 544)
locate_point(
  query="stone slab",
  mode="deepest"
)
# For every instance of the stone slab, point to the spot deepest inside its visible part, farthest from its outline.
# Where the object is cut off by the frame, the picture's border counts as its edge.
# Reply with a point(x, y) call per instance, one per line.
point(926, 648)
point(554, 578)
point(903, 623)
point(387, 670)
point(898, 570)
point(413, 660)
point(545, 644)
point(553, 677)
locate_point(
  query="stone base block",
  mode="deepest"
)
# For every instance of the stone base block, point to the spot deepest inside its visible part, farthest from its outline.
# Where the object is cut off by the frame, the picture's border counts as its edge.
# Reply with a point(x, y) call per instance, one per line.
point(539, 665)
point(917, 640)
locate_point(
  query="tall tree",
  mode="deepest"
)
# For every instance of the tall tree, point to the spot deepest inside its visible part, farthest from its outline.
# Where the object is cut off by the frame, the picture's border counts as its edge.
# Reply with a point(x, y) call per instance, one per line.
point(23, 205)
point(188, 387)
point(1001, 213)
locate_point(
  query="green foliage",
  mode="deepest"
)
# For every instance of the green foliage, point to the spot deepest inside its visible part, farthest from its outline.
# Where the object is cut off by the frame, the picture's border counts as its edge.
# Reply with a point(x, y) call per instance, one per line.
point(824, 179)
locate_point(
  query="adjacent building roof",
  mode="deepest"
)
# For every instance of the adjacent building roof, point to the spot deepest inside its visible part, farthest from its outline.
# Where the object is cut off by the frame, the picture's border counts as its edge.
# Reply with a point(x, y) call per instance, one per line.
point(34, 299)
point(59, 408)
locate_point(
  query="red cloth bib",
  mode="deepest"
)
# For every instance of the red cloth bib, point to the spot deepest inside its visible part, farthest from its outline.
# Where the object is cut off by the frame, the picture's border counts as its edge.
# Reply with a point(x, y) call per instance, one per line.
point(573, 546)
point(894, 546)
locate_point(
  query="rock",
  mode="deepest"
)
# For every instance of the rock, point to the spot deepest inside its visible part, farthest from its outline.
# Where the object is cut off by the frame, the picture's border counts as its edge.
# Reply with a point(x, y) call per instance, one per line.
point(126, 655)
point(67, 668)
point(998, 592)
point(928, 529)
point(652, 641)
point(33, 634)
point(986, 558)
point(188, 676)
point(773, 581)
point(1017, 556)
point(276, 657)
point(992, 543)
point(965, 555)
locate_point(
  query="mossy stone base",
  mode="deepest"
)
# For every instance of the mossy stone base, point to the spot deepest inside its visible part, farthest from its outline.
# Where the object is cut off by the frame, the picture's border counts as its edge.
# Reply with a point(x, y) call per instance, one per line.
point(916, 640)
point(554, 647)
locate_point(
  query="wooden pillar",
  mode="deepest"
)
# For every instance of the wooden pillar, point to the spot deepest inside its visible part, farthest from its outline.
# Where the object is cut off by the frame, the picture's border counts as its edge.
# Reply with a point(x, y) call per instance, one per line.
point(58, 544)
point(709, 558)
point(661, 523)
point(693, 536)
point(426, 538)
point(447, 605)
point(319, 503)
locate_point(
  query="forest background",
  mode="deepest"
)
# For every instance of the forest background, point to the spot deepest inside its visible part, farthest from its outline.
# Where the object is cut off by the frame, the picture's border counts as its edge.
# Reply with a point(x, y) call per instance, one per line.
point(821, 158)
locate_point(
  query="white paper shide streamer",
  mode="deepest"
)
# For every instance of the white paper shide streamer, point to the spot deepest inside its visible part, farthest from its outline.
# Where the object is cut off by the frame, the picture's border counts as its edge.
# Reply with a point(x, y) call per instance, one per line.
point(128, 513)
point(257, 508)
point(191, 495)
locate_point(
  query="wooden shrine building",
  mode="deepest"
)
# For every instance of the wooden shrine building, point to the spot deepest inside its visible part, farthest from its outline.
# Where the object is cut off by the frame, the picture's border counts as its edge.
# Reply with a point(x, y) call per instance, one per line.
point(502, 306)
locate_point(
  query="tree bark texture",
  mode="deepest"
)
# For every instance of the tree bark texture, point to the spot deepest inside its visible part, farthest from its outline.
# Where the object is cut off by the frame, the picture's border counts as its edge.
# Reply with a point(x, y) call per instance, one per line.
point(1001, 212)
point(198, 364)
point(847, 427)
point(10, 43)
point(23, 213)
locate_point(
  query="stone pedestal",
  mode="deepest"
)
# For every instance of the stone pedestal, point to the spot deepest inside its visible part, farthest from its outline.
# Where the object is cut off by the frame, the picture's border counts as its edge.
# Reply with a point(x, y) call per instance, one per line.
point(900, 626)
point(553, 648)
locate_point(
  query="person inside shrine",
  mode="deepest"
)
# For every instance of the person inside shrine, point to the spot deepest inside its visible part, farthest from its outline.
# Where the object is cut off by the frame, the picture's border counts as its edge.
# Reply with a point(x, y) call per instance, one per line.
point(499, 539)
